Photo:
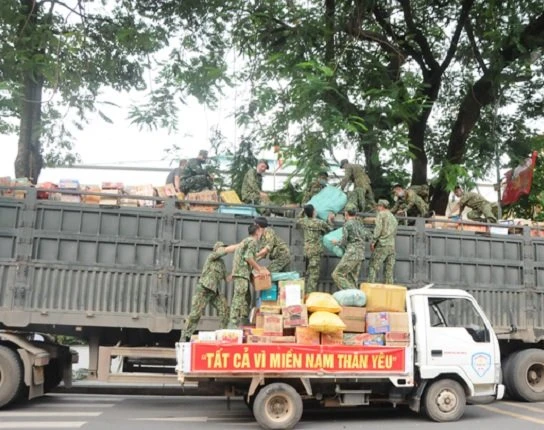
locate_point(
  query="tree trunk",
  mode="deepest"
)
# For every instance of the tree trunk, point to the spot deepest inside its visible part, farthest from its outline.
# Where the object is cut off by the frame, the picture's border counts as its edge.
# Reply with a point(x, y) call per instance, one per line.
point(29, 161)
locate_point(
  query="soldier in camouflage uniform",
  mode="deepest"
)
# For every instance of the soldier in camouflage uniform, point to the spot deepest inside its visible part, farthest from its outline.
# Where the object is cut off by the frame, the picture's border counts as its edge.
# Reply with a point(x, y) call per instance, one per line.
point(313, 229)
point(481, 208)
point(207, 292)
point(273, 247)
point(383, 243)
point(316, 186)
point(409, 203)
point(195, 177)
point(354, 234)
point(244, 260)
point(253, 184)
point(362, 193)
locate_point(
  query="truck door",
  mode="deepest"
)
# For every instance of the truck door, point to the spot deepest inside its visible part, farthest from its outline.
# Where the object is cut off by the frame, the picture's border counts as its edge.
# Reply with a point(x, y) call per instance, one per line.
point(458, 337)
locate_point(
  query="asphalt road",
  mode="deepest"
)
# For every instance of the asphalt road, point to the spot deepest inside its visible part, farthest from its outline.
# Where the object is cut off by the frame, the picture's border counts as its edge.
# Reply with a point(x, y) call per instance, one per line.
point(122, 412)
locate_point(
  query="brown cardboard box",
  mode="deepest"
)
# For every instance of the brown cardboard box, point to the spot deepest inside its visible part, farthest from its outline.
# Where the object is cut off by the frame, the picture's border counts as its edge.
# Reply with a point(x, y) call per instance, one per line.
point(398, 322)
point(261, 281)
point(295, 316)
point(401, 339)
point(384, 297)
point(90, 199)
point(373, 339)
point(272, 325)
point(270, 339)
point(354, 318)
point(336, 338)
point(354, 338)
point(377, 322)
point(291, 292)
point(307, 336)
point(110, 201)
point(270, 309)
point(229, 336)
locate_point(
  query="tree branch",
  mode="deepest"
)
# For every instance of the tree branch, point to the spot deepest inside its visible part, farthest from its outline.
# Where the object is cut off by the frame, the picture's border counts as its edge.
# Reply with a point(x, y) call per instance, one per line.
point(474, 46)
point(420, 39)
point(463, 17)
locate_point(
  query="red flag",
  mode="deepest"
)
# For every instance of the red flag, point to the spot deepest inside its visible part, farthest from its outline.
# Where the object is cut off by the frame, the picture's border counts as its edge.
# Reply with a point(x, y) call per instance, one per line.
point(519, 180)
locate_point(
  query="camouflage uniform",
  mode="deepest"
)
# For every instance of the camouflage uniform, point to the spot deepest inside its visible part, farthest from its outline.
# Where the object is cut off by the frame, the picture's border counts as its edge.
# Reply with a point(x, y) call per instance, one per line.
point(479, 205)
point(362, 193)
point(241, 272)
point(195, 177)
point(346, 273)
point(252, 187)
point(422, 191)
point(383, 238)
point(278, 251)
point(314, 188)
point(213, 273)
point(411, 203)
point(313, 229)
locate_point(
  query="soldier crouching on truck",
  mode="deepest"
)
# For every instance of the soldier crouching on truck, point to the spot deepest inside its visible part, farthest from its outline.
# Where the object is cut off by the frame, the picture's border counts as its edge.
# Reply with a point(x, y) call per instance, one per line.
point(207, 292)
point(244, 261)
point(195, 176)
point(481, 208)
point(354, 234)
point(274, 247)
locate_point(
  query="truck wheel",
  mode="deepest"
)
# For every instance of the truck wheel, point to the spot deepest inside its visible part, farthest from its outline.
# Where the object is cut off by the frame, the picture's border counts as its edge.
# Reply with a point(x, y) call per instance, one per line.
point(445, 400)
point(11, 376)
point(506, 366)
point(53, 374)
point(277, 406)
point(527, 375)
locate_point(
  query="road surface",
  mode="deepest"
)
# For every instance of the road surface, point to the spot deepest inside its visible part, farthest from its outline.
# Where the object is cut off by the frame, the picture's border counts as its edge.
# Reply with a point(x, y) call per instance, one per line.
point(124, 412)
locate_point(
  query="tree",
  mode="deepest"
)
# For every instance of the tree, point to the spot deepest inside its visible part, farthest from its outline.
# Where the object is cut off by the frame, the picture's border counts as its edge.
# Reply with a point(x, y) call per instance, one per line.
point(56, 56)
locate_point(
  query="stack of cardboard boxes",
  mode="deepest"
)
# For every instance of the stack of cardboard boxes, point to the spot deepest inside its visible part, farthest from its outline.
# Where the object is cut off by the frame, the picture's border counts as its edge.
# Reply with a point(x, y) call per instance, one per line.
point(71, 185)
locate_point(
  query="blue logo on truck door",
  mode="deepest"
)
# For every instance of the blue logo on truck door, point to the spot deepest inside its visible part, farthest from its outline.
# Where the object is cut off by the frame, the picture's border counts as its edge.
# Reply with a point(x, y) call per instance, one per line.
point(481, 363)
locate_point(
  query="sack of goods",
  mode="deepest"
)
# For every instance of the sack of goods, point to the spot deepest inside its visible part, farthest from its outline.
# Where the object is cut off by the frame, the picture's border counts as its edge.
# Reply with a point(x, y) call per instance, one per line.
point(324, 302)
point(351, 297)
point(335, 235)
point(329, 199)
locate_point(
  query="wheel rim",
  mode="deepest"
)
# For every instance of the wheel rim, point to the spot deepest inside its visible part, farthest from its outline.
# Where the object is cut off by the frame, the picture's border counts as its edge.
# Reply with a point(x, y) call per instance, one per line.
point(279, 408)
point(446, 401)
point(535, 377)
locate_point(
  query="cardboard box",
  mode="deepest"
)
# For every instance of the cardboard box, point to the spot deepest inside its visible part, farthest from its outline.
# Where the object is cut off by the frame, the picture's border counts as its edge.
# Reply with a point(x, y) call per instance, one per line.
point(397, 339)
point(69, 184)
point(354, 318)
point(295, 316)
point(354, 338)
point(110, 201)
point(207, 336)
point(272, 325)
point(267, 308)
point(398, 322)
point(89, 199)
point(112, 185)
point(261, 281)
point(336, 338)
point(291, 292)
point(373, 339)
point(229, 336)
point(271, 339)
point(384, 297)
point(259, 321)
point(307, 336)
point(271, 294)
point(70, 198)
point(377, 322)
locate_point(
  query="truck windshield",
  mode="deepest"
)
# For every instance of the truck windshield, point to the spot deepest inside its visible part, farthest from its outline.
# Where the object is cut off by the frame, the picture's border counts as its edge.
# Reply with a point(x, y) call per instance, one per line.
point(458, 312)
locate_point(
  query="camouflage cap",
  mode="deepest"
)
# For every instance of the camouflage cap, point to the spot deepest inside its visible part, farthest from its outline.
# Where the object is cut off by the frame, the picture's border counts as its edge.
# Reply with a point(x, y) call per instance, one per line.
point(382, 202)
point(218, 245)
point(343, 162)
point(202, 153)
point(262, 160)
point(261, 221)
point(350, 208)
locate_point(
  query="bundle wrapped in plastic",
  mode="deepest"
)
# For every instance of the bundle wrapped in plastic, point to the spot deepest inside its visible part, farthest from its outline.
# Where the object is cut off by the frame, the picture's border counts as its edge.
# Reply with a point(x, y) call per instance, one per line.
point(335, 235)
point(351, 297)
point(329, 199)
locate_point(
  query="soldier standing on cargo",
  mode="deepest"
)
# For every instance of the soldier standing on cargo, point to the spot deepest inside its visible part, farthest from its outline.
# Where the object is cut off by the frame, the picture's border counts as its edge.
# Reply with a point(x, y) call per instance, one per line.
point(207, 292)
point(316, 186)
point(195, 176)
point(479, 205)
point(354, 234)
point(274, 247)
point(314, 229)
point(354, 173)
point(244, 260)
point(175, 175)
point(382, 245)
point(409, 203)
point(252, 187)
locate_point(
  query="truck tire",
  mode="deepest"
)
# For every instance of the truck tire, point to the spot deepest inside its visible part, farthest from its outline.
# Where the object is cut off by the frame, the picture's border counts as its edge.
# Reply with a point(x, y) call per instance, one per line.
point(506, 366)
point(527, 375)
point(277, 406)
point(445, 400)
point(53, 374)
point(11, 376)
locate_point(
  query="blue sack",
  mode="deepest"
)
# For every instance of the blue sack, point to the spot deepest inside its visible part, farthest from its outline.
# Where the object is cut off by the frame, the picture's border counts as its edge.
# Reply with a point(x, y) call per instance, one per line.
point(351, 297)
point(271, 294)
point(329, 199)
point(284, 276)
point(238, 210)
point(327, 242)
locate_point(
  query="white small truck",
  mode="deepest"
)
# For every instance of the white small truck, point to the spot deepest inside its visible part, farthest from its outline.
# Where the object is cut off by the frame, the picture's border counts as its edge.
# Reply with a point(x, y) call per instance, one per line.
point(452, 359)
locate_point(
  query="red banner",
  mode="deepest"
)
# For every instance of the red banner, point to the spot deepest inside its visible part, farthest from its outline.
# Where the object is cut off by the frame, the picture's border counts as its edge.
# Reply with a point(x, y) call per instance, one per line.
point(247, 358)
point(519, 180)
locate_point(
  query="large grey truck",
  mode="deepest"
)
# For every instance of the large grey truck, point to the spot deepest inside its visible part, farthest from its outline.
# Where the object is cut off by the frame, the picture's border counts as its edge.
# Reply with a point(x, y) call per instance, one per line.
point(122, 278)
